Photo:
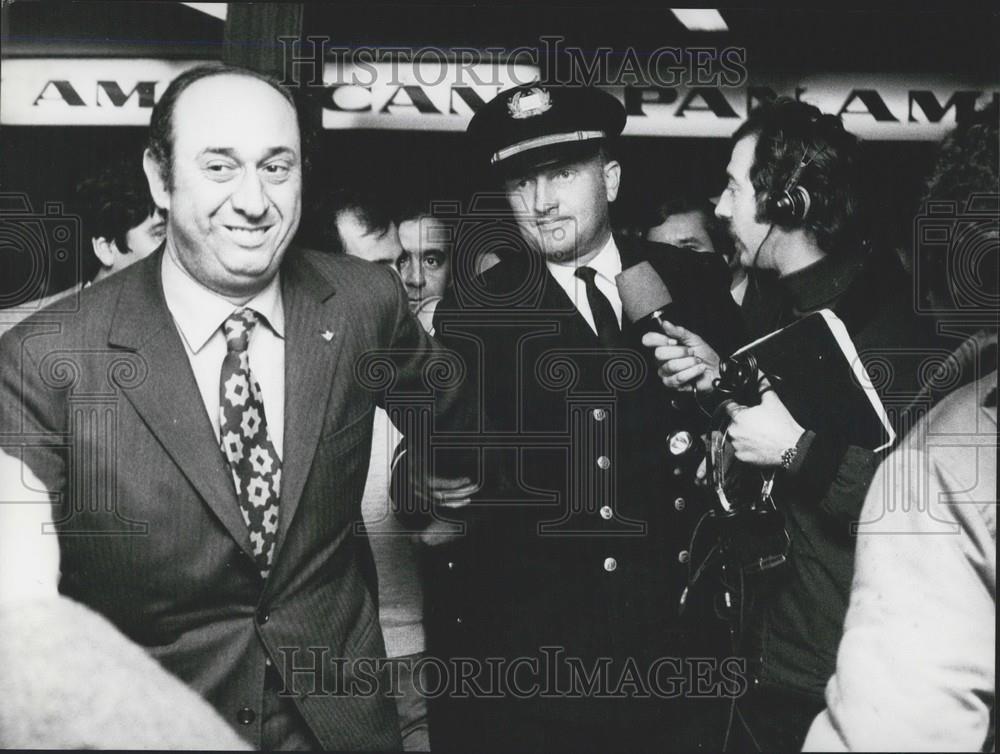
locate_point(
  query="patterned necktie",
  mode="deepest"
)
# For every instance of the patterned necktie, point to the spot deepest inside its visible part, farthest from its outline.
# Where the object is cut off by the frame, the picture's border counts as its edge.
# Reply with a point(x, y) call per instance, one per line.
point(605, 320)
point(245, 441)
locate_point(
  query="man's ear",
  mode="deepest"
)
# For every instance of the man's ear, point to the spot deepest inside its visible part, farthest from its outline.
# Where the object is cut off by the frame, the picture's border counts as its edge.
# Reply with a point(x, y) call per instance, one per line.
point(105, 250)
point(612, 178)
point(157, 186)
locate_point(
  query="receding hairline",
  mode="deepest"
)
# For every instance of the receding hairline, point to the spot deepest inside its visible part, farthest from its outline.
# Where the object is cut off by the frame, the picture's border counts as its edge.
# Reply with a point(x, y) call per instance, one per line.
point(266, 84)
point(221, 148)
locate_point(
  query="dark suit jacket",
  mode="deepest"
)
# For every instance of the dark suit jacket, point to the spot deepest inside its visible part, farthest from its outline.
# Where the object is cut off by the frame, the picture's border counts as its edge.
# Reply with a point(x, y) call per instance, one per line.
point(104, 404)
point(542, 565)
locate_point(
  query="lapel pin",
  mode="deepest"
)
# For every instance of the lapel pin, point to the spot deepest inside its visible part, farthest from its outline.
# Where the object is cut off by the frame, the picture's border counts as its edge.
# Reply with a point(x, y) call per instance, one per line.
point(327, 335)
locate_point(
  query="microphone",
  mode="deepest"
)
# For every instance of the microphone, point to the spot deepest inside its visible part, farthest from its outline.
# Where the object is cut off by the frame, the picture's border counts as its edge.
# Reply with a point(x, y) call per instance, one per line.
point(646, 300)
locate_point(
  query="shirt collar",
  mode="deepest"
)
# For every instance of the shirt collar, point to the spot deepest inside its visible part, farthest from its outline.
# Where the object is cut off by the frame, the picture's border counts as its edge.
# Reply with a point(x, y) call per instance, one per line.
point(200, 312)
point(607, 263)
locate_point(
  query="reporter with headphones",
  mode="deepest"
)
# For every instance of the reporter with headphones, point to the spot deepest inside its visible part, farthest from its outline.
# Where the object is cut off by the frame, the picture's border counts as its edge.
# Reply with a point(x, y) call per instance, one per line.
point(792, 206)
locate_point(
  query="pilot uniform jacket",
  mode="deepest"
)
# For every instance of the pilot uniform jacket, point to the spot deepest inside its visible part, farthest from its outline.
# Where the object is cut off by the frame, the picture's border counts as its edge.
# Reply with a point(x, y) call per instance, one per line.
point(578, 541)
point(103, 405)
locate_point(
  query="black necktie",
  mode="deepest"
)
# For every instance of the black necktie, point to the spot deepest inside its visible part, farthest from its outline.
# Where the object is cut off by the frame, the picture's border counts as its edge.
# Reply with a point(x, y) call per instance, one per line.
point(605, 320)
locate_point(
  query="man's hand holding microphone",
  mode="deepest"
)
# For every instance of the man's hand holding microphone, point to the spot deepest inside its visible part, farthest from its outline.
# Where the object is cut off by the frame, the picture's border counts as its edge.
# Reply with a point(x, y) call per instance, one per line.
point(761, 435)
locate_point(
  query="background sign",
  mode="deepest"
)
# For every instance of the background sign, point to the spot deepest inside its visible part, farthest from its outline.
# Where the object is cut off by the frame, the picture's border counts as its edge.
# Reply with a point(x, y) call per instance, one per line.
point(83, 91)
point(443, 96)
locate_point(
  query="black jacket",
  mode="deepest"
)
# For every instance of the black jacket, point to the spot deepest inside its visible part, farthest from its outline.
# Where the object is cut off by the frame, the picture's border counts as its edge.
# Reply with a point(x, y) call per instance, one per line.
point(796, 619)
point(542, 564)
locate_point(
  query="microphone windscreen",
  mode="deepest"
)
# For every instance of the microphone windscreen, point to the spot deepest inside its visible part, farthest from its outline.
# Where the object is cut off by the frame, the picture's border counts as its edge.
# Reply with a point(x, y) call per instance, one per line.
point(642, 291)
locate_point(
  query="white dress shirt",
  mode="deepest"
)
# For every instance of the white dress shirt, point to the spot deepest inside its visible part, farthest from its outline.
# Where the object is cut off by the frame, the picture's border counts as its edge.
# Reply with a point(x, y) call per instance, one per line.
point(607, 263)
point(739, 291)
point(199, 314)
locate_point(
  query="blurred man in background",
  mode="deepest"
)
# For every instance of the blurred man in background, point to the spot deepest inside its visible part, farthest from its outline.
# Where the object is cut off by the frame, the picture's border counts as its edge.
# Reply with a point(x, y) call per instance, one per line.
point(959, 286)
point(120, 220)
point(691, 224)
point(119, 217)
point(916, 669)
point(360, 223)
point(425, 264)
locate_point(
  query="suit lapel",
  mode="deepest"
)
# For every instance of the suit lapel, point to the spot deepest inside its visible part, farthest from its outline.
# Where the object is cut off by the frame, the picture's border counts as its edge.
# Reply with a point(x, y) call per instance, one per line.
point(168, 400)
point(315, 328)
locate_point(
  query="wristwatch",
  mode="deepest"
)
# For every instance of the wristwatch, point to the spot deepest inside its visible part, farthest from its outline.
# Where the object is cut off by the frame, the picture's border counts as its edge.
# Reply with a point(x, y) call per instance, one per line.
point(788, 455)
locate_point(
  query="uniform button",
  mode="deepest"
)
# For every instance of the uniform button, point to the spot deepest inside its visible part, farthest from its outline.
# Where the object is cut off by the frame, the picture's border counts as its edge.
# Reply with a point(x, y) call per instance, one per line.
point(451, 565)
point(674, 403)
point(458, 620)
point(263, 616)
point(603, 462)
point(606, 512)
point(683, 556)
point(680, 504)
point(678, 443)
point(267, 662)
point(610, 564)
point(246, 716)
point(678, 471)
point(600, 414)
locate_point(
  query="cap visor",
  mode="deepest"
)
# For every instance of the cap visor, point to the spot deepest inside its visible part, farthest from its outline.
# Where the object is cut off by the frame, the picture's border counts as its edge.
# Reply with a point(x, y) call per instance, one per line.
point(548, 156)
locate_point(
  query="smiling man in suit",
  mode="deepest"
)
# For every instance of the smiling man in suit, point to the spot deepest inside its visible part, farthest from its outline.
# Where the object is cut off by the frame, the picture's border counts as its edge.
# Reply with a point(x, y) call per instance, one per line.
point(576, 553)
point(203, 428)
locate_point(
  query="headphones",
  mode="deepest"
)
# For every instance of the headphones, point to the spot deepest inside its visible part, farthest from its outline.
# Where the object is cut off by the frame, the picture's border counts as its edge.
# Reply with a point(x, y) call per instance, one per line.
point(791, 206)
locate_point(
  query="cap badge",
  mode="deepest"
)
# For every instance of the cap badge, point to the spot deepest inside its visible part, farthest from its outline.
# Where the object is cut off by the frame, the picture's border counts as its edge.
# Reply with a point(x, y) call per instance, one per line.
point(534, 101)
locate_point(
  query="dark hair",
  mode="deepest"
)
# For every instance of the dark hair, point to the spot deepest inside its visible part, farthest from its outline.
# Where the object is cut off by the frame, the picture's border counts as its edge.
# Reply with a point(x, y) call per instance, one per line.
point(161, 126)
point(675, 204)
point(789, 133)
point(111, 203)
point(967, 159)
point(374, 211)
point(966, 164)
point(114, 201)
point(681, 204)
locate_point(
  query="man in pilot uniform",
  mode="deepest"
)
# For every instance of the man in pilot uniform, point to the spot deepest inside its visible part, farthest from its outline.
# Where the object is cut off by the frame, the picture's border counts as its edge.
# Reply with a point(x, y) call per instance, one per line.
point(575, 552)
